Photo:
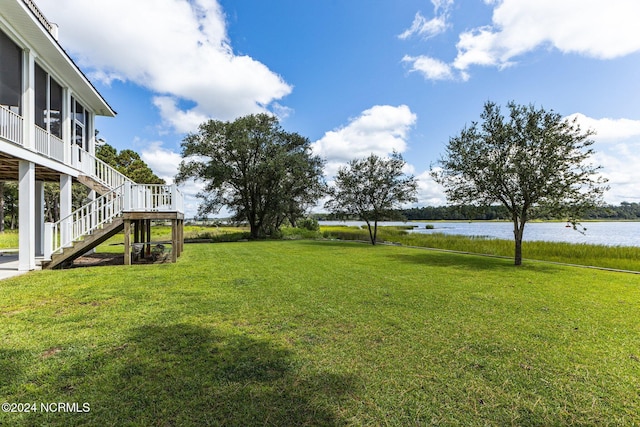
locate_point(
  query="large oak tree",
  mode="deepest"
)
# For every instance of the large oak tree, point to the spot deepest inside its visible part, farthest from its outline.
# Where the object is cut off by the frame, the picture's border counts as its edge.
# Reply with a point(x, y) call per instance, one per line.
point(533, 162)
point(256, 169)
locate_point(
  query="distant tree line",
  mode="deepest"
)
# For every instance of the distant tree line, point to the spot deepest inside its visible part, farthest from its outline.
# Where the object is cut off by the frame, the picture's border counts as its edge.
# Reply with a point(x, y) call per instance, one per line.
point(625, 211)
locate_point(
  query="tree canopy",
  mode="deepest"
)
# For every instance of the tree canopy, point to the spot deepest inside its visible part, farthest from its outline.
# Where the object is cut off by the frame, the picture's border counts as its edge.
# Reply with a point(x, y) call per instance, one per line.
point(263, 174)
point(533, 162)
point(372, 189)
point(128, 163)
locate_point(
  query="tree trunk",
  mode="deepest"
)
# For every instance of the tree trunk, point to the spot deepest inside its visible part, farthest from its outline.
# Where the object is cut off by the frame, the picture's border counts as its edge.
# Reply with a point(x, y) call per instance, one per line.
point(518, 254)
point(375, 231)
point(255, 230)
point(372, 236)
point(518, 231)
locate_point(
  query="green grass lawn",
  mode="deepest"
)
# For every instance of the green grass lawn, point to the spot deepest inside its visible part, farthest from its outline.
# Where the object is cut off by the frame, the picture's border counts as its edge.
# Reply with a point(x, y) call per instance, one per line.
point(323, 333)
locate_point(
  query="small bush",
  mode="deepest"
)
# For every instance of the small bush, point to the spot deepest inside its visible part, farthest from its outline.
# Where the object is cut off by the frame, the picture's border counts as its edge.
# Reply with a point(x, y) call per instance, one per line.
point(291, 233)
point(310, 224)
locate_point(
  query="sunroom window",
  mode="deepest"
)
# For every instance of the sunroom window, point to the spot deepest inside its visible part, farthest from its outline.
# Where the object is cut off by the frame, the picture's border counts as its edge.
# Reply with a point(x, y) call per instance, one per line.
point(10, 74)
point(48, 102)
point(79, 120)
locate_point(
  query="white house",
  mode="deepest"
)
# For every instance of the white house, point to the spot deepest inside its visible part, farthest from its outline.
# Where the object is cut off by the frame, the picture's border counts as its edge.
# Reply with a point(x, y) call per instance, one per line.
point(47, 134)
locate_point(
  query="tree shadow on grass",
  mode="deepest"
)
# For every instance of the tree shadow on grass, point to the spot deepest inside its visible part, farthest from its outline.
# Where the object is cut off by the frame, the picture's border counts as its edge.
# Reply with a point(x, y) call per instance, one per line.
point(472, 262)
point(12, 364)
point(185, 375)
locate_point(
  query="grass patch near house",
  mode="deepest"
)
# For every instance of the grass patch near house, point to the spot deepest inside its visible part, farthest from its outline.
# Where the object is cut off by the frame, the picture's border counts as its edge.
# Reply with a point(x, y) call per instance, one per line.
point(617, 257)
point(323, 333)
point(9, 239)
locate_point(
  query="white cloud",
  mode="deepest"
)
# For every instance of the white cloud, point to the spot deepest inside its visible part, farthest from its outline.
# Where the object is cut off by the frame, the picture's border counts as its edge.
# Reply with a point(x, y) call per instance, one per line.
point(598, 29)
point(180, 120)
point(618, 152)
point(620, 165)
point(607, 129)
point(601, 29)
point(432, 27)
point(425, 28)
point(163, 162)
point(176, 48)
point(379, 130)
point(430, 68)
point(430, 193)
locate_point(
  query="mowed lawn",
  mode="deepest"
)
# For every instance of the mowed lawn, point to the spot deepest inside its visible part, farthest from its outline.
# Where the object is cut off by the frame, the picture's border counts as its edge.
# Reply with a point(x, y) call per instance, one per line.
point(322, 333)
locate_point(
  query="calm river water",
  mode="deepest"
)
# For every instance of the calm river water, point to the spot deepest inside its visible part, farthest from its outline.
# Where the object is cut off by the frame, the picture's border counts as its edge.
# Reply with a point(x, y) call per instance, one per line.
point(598, 233)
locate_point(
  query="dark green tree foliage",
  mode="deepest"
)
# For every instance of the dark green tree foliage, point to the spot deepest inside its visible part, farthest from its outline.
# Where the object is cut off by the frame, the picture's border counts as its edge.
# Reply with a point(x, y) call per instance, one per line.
point(10, 208)
point(533, 162)
point(252, 166)
point(372, 190)
point(128, 163)
point(1, 206)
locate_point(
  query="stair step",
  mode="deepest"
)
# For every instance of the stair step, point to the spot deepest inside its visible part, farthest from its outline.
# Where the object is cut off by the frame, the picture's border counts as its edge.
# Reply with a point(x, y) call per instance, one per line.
point(81, 247)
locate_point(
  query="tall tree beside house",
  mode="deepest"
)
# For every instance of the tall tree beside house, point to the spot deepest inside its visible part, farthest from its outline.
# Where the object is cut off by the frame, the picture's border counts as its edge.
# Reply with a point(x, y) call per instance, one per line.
point(256, 169)
point(10, 209)
point(533, 162)
point(372, 189)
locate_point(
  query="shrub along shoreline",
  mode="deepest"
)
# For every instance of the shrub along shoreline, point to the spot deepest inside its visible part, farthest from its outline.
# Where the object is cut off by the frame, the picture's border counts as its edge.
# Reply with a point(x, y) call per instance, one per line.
point(612, 257)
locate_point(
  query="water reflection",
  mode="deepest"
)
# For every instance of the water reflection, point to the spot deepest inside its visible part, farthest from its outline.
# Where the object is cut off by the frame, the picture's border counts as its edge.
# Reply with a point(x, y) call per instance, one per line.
point(598, 233)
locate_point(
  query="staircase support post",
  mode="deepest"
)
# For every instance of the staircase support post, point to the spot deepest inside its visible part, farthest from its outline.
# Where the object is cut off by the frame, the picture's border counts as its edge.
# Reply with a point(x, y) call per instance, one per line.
point(127, 242)
point(174, 240)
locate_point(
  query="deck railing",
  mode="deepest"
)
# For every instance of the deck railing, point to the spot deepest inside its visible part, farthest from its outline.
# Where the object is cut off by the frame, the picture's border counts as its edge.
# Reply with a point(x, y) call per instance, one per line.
point(10, 126)
point(49, 144)
point(152, 198)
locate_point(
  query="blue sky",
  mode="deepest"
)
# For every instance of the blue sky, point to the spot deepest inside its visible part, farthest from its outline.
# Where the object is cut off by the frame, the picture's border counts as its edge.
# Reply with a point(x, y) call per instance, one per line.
point(359, 76)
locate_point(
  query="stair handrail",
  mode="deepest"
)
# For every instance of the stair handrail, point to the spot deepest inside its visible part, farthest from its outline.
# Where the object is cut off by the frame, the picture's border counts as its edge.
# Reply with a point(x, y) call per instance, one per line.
point(83, 221)
point(106, 174)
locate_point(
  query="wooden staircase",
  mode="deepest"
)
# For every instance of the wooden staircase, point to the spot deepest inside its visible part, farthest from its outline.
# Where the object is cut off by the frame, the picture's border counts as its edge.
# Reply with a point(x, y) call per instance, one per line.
point(94, 184)
point(80, 247)
point(121, 203)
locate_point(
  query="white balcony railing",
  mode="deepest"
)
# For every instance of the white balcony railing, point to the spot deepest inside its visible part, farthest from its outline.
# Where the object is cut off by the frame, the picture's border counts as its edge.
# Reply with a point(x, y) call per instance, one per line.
point(49, 144)
point(10, 126)
point(152, 198)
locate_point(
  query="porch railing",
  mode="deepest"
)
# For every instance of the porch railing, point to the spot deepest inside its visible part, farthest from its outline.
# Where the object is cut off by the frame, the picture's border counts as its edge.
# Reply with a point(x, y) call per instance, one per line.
point(10, 126)
point(152, 198)
point(49, 144)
